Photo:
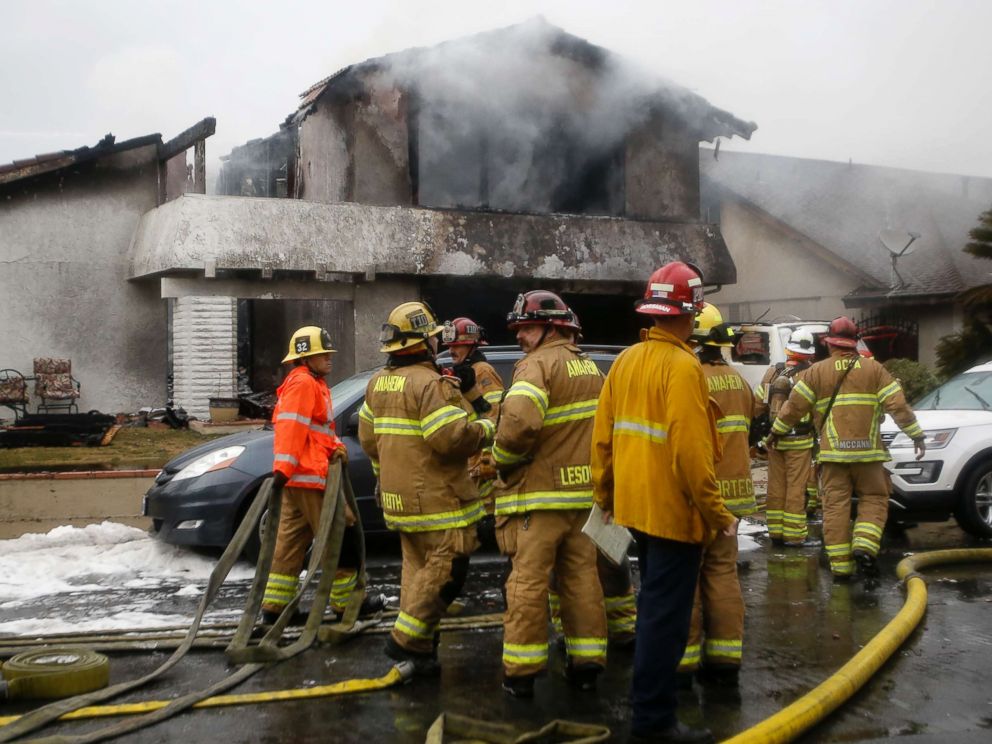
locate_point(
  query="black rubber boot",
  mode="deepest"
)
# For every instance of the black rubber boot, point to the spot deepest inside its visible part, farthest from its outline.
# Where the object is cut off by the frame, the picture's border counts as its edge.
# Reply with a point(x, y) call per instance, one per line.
point(867, 564)
point(519, 687)
point(296, 620)
point(677, 733)
point(582, 676)
point(720, 676)
point(424, 665)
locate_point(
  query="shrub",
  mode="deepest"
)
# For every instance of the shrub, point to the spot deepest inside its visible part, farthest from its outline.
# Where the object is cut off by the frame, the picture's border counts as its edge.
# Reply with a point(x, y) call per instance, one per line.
point(916, 379)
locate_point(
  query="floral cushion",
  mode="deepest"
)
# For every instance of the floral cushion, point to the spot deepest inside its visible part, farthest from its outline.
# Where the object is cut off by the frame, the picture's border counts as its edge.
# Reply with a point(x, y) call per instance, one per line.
point(55, 387)
point(52, 366)
point(13, 390)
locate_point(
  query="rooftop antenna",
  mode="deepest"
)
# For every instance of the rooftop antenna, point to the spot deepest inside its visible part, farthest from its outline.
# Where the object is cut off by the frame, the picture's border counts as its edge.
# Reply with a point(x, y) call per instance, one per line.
point(897, 243)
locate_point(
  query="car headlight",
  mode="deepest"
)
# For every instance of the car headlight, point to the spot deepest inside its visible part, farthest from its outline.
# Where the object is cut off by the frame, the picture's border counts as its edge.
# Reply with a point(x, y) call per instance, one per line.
point(216, 460)
point(933, 439)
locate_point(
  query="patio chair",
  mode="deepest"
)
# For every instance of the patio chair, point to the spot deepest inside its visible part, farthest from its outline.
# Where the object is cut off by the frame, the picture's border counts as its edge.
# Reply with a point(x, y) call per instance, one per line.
point(55, 385)
point(14, 392)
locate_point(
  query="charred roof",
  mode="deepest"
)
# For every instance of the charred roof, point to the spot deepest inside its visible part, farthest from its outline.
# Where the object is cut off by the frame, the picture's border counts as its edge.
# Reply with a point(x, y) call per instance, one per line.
point(413, 69)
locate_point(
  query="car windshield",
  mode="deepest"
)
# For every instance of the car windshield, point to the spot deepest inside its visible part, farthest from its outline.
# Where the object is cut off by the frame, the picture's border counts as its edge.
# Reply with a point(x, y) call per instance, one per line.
point(971, 391)
point(350, 389)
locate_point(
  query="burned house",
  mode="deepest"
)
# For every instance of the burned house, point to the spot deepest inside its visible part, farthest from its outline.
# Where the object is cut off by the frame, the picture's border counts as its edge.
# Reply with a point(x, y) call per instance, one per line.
point(461, 174)
point(67, 220)
point(835, 232)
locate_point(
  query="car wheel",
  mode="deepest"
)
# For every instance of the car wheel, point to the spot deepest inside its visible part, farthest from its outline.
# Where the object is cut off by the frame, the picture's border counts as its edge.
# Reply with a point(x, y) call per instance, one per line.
point(974, 510)
point(254, 545)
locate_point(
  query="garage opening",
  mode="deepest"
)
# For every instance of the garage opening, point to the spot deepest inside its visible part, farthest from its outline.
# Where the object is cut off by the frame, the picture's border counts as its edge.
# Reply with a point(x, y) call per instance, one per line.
point(264, 328)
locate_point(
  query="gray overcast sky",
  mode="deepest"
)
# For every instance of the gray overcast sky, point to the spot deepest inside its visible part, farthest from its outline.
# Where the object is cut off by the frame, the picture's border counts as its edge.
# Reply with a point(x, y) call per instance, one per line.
point(905, 83)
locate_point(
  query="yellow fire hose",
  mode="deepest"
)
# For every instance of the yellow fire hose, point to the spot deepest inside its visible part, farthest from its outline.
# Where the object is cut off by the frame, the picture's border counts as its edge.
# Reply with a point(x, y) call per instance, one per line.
point(395, 675)
point(820, 702)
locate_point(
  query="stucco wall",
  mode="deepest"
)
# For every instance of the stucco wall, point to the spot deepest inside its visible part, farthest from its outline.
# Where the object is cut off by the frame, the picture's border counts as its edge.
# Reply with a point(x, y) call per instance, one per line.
point(324, 161)
point(64, 286)
point(777, 271)
point(661, 172)
point(372, 305)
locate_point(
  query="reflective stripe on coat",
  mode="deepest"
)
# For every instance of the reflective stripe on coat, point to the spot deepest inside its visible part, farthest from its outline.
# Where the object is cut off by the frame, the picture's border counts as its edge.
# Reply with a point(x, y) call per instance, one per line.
point(545, 430)
point(654, 443)
point(419, 432)
point(304, 429)
point(851, 432)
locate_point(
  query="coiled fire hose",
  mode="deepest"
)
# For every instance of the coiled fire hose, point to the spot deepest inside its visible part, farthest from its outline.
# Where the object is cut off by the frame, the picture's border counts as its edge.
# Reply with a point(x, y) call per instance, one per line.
point(820, 702)
point(54, 673)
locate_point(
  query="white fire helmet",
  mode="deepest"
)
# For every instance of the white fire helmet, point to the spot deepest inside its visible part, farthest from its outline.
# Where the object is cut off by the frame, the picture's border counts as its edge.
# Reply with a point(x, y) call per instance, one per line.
point(801, 342)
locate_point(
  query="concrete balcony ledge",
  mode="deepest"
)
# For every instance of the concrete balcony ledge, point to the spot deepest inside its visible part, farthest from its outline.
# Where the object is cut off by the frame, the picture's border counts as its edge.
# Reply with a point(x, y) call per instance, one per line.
point(202, 234)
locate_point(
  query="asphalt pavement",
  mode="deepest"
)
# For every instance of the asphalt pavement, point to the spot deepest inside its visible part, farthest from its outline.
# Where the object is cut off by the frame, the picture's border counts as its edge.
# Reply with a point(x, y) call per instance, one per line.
point(800, 627)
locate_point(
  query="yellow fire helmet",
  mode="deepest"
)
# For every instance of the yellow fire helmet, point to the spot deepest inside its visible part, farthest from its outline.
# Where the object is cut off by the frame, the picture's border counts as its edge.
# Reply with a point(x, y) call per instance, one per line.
point(308, 341)
point(710, 329)
point(408, 325)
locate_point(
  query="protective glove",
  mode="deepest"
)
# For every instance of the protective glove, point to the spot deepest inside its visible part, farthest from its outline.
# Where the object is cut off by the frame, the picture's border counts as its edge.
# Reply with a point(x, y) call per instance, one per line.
point(466, 375)
point(481, 405)
point(279, 479)
point(341, 453)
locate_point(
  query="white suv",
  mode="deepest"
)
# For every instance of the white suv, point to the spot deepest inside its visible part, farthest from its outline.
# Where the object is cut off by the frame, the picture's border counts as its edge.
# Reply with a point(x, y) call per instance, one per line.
point(955, 475)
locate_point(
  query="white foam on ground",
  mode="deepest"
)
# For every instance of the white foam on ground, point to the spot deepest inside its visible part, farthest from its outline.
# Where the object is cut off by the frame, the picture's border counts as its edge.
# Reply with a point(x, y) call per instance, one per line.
point(98, 557)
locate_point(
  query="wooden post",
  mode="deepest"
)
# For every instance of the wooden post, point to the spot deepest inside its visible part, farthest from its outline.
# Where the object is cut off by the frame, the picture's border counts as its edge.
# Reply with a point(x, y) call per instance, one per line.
point(200, 167)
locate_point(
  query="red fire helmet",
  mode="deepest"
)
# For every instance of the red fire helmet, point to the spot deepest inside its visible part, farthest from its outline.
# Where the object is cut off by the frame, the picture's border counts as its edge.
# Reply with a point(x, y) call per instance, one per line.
point(541, 307)
point(674, 289)
point(463, 332)
point(842, 333)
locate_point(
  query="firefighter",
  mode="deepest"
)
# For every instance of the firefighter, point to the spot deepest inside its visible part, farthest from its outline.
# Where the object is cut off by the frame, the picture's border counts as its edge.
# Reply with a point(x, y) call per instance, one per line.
point(481, 385)
point(790, 461)
point(849, 395)
point(544, 494)
point(654, 446)
point(718, 608)
point(305, 442)
point(619, 600)
point(419, 431)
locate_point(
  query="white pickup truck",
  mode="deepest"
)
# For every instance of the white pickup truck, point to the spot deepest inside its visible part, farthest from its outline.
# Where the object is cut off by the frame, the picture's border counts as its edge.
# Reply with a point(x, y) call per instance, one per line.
point(760, 345)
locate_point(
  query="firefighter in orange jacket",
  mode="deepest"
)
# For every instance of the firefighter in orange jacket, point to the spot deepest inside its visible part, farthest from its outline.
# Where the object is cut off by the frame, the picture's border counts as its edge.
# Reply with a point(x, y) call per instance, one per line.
point(305, 442)
point(718, 608)
point(419, 431)
point(848, 395)
point(481, 385)
point(653, 451)
point(543, 496)
point(790, 461)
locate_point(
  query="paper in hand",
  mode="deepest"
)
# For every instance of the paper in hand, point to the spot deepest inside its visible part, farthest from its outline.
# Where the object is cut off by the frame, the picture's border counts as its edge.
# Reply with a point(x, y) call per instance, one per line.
point(611, 539)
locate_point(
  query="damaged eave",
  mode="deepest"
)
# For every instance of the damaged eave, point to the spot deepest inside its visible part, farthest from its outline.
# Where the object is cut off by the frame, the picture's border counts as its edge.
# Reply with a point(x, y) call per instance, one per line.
point(244, 234)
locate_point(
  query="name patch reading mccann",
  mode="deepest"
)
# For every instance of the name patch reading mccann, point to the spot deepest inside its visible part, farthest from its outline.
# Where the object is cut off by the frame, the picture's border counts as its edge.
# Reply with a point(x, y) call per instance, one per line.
point(389, 384)
point(575, 475)
point(391, 502)
point(580, 367)
point(725, 382)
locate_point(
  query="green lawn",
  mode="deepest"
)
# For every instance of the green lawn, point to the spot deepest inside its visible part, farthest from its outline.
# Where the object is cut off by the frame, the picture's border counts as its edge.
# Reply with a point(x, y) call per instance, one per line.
point(131, 448)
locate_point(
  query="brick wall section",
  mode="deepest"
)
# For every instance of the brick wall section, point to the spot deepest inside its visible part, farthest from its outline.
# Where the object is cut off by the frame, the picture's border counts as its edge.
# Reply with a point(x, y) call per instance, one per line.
point(205, 351)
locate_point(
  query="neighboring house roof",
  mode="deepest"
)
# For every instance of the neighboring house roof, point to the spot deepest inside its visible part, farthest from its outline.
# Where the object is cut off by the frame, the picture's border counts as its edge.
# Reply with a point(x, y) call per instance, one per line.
point(843, 206)
point(54, 161)
point(504, 46)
